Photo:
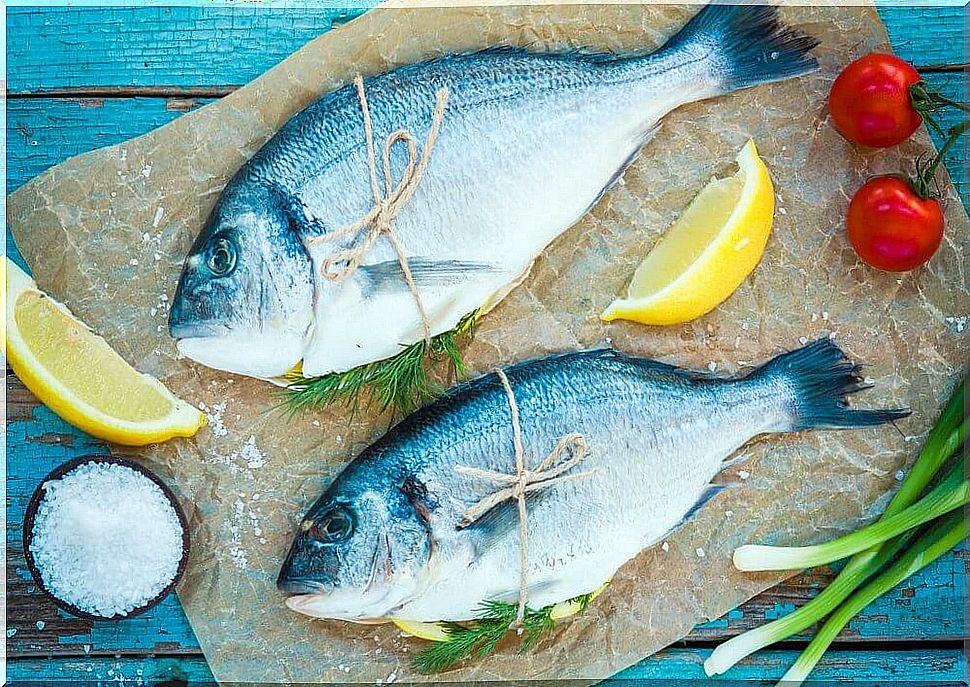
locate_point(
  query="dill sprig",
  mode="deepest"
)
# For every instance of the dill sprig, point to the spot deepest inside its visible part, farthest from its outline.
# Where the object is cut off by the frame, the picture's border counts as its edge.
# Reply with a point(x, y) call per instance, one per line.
point(402, 382)
point(481, 637)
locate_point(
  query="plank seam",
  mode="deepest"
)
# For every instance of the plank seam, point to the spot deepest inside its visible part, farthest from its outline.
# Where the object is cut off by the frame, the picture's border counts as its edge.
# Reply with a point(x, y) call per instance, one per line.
point(911, 644)
point(219, 91)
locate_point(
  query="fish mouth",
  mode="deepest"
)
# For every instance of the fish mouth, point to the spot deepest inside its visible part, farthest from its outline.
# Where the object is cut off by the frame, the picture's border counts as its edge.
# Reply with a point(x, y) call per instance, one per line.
point(196, 330)
point(302, 586)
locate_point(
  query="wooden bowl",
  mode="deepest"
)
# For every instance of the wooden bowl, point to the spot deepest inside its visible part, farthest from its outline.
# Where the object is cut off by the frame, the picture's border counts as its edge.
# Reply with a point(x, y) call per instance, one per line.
point(28, 535)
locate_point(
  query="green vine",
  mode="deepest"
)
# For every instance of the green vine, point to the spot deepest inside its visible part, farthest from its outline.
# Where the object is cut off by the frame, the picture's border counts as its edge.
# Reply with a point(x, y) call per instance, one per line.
point(402, 382)
point(481, 637)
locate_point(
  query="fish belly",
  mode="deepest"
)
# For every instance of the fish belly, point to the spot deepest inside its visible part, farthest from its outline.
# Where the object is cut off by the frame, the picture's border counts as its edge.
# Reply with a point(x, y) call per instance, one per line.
point(650, 469)
point(502, 184)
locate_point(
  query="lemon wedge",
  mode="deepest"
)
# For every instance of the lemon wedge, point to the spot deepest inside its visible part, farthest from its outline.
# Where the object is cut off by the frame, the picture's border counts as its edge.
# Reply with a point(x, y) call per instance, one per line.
point(703, 258)
point(76, 373)
point(431, 632)
point(564, 609)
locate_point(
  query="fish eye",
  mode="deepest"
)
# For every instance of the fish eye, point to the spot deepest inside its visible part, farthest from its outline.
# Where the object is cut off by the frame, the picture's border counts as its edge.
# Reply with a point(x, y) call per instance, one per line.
point(335, 525)
point(222, 257)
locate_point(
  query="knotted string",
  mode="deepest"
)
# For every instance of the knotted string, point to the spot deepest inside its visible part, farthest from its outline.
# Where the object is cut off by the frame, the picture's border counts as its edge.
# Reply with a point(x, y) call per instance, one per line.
point(388, 202)
point(550, 471)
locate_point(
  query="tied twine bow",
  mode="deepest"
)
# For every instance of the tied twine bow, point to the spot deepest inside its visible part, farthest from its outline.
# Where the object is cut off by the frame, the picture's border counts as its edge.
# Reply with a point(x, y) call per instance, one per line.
point(550, 471)
point(342, 264)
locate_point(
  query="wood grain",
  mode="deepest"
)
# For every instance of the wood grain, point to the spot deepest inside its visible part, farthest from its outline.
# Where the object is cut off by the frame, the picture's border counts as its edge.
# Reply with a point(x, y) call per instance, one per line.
point(124, 71)
point(672, 666)
point(51, 48)
point(54, 48)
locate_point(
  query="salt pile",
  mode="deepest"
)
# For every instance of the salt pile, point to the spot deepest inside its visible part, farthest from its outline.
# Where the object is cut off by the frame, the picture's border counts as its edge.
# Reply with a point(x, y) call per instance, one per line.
point(106, 539)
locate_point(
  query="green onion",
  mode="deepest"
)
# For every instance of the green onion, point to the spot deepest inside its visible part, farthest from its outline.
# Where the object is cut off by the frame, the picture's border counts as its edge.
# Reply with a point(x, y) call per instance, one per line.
point(855, 573)
point(943, 441)
point(947, 533)
point(952, 492)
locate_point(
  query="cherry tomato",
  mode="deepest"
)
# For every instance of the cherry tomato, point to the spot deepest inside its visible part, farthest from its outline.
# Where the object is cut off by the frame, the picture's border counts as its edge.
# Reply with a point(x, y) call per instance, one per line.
point(870, 101)
point(891, 227)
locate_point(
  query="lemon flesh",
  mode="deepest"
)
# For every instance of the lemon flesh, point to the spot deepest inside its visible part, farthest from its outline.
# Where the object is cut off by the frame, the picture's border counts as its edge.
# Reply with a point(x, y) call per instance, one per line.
point(77, 374)
point(564, 609)
point(431, 632)
point(707, 253)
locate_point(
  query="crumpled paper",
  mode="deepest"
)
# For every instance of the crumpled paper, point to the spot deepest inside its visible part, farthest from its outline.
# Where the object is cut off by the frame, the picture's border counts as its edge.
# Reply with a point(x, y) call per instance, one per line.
point(106, 233)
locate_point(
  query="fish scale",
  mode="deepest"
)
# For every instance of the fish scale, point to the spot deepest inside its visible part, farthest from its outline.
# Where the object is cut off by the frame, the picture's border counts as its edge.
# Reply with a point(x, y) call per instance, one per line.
point(656, 436)
point(528, 143)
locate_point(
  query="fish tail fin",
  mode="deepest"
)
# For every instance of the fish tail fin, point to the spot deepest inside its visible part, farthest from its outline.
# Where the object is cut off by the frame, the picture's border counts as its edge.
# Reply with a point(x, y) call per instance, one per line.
point(745, 45)
point(818, 379)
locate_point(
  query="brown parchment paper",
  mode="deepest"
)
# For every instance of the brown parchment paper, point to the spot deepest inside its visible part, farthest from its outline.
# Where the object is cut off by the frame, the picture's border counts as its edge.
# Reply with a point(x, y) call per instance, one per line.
point(106, 232)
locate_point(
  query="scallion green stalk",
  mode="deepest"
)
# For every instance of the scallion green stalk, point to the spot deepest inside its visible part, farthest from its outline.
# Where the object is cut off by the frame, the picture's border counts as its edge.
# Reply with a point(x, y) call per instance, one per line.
point(942, 442)
point(953, 492)
point(944, 439)
point(943, 536)
point(725, 655)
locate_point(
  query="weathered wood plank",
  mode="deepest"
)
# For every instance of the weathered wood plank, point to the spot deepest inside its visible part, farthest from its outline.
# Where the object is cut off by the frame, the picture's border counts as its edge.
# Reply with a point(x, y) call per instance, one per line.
point(52, 48)
point(70, 47)
point(925, 35)
point(37, 442)
point(929, 606)
point(938, 667)
point(148, 670)
point(44, 131)
point(55, 129)
point(930, 666)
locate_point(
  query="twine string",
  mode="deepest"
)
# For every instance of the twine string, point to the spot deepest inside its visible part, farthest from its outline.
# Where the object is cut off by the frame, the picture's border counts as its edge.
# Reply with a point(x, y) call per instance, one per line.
point(552, 470)
point(388, 202)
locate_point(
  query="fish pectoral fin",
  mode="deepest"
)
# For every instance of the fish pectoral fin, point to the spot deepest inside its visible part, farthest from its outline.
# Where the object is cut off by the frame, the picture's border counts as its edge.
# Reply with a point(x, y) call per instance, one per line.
point(388, 277)
point(503, 519)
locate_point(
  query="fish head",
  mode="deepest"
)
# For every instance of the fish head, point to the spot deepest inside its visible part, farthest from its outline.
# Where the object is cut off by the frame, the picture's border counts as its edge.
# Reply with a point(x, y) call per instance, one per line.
point(244, 300)
point(358, 554)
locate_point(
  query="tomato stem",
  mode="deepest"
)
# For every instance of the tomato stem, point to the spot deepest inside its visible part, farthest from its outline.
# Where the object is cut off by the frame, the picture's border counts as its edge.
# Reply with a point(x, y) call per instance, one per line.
point(924, 177)
point(928, 100)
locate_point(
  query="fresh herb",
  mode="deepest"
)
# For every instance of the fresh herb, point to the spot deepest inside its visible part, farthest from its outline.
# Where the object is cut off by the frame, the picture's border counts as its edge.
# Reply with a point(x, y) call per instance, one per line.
point(942, 444)
point(480, 638)
point(402, 382)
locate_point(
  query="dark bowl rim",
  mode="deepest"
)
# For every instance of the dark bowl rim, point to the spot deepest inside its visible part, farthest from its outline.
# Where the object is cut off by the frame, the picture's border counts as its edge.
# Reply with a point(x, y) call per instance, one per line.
point(28, 534)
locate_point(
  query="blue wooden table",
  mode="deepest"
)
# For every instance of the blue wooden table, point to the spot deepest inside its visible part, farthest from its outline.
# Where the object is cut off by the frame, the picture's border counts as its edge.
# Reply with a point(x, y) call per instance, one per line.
point(85, 77)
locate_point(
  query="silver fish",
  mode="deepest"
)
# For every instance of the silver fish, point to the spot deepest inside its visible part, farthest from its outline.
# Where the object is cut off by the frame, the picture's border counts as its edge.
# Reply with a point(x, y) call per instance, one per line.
point(385, 541)
point(529, 142)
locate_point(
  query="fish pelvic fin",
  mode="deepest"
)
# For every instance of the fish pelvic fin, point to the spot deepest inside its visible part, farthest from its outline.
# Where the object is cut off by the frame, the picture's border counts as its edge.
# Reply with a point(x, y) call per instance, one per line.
point(819, 379)
point(747, 45)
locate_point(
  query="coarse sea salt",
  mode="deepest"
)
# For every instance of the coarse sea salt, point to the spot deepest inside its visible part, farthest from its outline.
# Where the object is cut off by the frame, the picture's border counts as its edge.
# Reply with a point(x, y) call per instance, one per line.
point(106, 539)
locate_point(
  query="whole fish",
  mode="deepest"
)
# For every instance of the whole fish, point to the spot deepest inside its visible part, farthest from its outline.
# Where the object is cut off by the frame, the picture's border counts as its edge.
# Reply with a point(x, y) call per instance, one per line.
point(386, 538)
point(528, 143)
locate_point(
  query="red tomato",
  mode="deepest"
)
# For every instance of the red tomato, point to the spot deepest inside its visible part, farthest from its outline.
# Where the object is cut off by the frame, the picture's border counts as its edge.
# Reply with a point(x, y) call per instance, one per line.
point(891, 227)
point(870, 101)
